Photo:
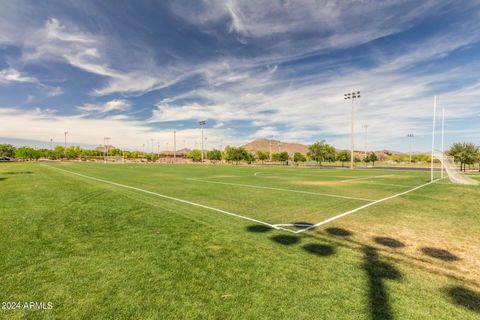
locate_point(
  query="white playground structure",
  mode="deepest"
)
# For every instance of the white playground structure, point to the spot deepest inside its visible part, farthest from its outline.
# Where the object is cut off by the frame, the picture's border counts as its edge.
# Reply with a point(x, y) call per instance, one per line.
point(447, 162)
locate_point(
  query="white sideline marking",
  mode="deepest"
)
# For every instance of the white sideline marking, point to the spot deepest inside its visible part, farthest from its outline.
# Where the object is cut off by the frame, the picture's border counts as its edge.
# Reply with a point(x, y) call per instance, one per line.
point(384, 184)
point(366, 178)
point(281, 189)
point(172, 198)
point(363, 207)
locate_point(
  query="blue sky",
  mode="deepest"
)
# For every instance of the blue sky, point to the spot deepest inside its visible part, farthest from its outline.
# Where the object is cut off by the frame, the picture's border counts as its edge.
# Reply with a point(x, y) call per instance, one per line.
point(136, 71)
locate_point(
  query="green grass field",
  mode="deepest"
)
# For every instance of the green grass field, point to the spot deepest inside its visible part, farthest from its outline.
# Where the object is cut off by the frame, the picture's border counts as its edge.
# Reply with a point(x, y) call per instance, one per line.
point(127, 241)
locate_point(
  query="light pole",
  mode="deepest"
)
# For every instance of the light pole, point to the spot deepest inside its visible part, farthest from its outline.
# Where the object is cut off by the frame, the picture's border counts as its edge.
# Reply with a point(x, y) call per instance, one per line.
point(352, 96)
point(366, 140)
point(410, 135)
point(270, 149)
point(65, 150)
point(105, 143)
point(202, 125)
point(51, 144)
point(174, 144)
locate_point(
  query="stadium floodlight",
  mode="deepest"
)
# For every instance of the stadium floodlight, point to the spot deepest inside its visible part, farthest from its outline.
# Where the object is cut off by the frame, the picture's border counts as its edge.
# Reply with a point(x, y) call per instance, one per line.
point(65, 150)
point(174, 144)
point(202, 125)
point(105, 143)
point(51, 144)
point(352, 96)
point(365, 126)
point(411, 136)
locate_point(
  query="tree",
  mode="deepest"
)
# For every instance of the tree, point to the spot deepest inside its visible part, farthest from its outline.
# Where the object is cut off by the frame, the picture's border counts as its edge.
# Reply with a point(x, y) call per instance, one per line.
point(262, 155)
point(283, 157)
point(195, 155)
point(320, 151)
point(298, 157)
point(372, 157)
point(7, 151)
point(214, 155)
point(237, 154)
point(72, 152)
point(465, 153)
point(27, 153)
point(59, 152)
point(343, 156)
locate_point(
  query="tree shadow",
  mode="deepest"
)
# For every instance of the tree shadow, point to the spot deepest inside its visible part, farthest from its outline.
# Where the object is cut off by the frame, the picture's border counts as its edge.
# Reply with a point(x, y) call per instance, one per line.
point(19, 172)
point(258, 228)
point(339, 232)
point(378, 271)
point(319, 249)
point(302, 224)
point(285, 239)
point(465, 297)
point(389, 242)
point(441, 254)
point(2, 178)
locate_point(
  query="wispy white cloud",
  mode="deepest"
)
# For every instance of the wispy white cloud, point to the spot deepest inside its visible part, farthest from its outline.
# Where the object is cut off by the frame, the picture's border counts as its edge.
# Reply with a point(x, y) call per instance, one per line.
point(12, 75)
point(44, 124)
point(113, 105)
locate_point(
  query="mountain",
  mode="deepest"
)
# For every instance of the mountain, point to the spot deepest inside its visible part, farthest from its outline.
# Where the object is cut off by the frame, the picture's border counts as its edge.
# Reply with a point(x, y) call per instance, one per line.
point(276, 145)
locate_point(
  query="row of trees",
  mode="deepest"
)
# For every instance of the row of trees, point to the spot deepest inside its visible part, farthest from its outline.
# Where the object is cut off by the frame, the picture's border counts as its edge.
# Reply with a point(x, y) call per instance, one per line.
point(8, 151)
point(319, 152)
point(465, 154)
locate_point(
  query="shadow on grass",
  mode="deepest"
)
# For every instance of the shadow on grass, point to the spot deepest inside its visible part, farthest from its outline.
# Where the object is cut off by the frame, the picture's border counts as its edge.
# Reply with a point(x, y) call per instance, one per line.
point(258, 228)
point(2, 178)
point(465, 297)
point(285, 239)
point(377, 272)
point(19, 172)
point(339, 232)
point(302, 224)
point(441, 254)
point(389, 242)
point(319, 249)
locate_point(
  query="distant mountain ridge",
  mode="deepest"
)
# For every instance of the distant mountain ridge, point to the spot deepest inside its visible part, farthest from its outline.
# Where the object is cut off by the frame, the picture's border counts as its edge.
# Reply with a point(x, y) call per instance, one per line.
point(281, 146)
point(276, 146)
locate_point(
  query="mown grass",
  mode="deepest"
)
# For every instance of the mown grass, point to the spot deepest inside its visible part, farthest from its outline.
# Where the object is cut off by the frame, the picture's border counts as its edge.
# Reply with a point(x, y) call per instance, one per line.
point(100, 251)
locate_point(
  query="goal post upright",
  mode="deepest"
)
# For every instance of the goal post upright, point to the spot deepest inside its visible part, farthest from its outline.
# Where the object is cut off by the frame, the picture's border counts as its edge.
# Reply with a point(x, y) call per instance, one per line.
point(433, 136)
point(443, 135)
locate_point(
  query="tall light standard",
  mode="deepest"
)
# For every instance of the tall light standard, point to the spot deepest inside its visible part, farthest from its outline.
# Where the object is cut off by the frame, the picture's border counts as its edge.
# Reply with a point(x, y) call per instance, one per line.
point(174, 144)
point(202, 125)
point(366, 140)
point(352, 96)
point(51, 144)
point(65, 150)
point(270, 149)
point(105, 143)
point(411, 136)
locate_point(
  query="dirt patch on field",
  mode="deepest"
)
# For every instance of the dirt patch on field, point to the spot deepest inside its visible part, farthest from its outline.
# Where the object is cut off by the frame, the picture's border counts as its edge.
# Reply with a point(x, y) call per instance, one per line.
point(317, 183)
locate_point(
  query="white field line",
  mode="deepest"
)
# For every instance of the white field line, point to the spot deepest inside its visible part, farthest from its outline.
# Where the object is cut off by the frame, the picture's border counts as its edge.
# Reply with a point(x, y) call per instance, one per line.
point(281, 189)
point(363, 207)
point(366, 178)
point(172, 198)
point(325, 176)
point(384, 184)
